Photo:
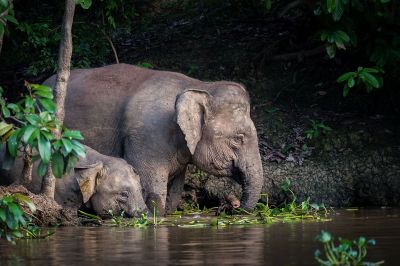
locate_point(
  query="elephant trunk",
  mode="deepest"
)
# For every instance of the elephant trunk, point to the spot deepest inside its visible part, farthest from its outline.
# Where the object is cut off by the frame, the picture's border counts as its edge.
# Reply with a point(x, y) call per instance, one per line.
point(252, 179)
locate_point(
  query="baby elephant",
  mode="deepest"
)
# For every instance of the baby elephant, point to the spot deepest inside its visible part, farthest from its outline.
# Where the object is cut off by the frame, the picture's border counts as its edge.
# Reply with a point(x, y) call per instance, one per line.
point(99, 182)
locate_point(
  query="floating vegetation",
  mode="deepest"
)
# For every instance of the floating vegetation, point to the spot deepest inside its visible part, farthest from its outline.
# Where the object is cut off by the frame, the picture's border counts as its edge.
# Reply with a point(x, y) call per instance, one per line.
point(192, 216)
point(347, 253)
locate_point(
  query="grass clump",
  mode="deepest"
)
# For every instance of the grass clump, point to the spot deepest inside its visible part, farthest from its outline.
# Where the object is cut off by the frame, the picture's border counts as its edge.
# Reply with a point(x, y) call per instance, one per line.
point(346, 253)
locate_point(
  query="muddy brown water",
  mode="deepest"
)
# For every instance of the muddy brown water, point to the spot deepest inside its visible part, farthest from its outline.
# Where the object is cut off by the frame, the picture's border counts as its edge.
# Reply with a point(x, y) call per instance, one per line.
point(276, 244)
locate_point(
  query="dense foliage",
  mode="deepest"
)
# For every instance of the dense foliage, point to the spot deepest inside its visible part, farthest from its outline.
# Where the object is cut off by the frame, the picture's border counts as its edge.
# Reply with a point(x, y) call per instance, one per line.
point(32, 125)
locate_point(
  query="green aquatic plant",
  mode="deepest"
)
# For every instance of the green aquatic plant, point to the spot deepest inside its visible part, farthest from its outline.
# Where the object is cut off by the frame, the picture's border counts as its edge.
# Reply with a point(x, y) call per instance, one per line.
point(291, 211)
point(15, 223)
point(346, 253)
point(116, 220)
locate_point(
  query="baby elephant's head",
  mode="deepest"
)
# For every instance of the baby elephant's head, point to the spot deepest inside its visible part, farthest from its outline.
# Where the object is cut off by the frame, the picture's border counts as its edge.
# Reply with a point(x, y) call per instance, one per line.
point(110, 184)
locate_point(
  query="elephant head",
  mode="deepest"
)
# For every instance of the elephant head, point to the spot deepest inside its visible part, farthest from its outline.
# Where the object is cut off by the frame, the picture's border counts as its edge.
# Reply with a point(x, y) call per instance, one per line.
point(108, 183)
point(221, 136)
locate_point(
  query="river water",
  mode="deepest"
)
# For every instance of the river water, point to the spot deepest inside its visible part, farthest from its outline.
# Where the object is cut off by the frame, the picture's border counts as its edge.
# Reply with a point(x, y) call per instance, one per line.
point(276, 244)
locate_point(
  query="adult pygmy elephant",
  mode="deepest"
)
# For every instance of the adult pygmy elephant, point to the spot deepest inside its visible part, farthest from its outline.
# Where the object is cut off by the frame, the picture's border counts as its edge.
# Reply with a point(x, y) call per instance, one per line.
point(161, 121)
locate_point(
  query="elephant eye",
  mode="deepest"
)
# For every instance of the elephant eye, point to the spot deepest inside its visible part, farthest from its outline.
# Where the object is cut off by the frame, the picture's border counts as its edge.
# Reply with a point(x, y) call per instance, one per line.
point(123, 196)
point(238, 139)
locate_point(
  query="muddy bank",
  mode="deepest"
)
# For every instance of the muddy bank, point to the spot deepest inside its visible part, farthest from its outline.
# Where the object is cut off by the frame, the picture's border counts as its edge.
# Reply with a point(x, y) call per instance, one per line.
point(48, 212)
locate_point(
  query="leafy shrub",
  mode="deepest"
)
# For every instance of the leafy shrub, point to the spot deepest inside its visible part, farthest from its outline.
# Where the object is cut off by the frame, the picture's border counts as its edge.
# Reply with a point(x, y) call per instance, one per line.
point(14, 222)
point(34, 124)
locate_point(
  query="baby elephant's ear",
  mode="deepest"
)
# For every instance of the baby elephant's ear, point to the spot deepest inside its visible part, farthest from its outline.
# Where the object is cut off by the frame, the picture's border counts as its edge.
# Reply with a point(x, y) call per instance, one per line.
point(86, 175)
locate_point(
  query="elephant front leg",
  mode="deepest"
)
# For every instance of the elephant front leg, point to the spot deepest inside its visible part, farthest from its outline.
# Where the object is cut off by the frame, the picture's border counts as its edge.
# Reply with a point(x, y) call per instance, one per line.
point(175, 189)
point(156, 192)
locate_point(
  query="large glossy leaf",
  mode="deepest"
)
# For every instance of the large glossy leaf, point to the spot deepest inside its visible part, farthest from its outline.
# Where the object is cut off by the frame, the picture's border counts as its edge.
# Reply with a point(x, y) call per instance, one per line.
point(33, 119)
point(57, 164)
point(372, 80)
point(28, 130)
point(67, 145)
point(48, 104)
point(12, 143)
point(44, 148)
point(73, 134)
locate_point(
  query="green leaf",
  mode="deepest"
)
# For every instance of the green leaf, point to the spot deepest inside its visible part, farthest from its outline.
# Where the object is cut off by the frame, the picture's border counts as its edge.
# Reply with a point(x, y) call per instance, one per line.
point(67, 145)
point(11, 19)
point(12, 143)
point(29, 102)
point(330, 4)
point(57, 164)
point(33, 119)
point(73, 134)
point(331, 51)
point(372, 80)
point(49, 105)
point(44, 148)
point(26, 200)
point(11, 221)
point(85, 4)
point(346, 76)
point(78, 149)
point(43, 94)
point(4, 128)
point(28, 130)
point(13, 107)
point(5, 111)
point(42, 169)
point(342, 35)
point(4, 3)
point(15, 209)
point(351, 82)
point(346, 90)
point(2, 214)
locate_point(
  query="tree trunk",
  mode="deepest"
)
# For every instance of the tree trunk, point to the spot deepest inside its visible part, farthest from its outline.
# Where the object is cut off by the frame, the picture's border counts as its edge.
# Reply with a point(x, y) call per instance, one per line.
point(28, 167)
point(60, 88)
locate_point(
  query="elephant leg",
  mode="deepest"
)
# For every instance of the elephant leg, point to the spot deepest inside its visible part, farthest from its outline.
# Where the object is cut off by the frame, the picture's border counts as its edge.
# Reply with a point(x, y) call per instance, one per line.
point(175, 189)
point(155, 186)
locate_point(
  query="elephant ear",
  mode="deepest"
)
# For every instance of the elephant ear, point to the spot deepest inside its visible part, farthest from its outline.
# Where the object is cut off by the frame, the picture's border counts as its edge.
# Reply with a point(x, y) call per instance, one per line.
point(87, 177)
point(192, 108)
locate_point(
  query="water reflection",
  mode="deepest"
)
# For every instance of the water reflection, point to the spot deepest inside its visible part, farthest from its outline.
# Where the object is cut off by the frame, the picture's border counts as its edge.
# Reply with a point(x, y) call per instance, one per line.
point(278, 244)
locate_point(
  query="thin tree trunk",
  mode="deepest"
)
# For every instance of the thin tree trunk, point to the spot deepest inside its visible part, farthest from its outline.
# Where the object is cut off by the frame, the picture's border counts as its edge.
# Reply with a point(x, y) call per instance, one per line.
point(28, 167)
point(60, 88)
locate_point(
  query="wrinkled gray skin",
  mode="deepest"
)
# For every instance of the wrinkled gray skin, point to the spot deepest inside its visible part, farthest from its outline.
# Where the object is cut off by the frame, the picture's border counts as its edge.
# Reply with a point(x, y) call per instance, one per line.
point(99, 182)
point(161, 121)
